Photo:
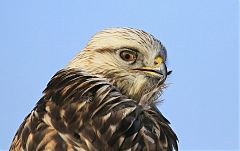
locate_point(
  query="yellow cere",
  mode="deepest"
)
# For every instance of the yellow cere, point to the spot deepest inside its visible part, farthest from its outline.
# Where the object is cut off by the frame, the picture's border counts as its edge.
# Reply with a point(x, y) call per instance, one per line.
point(158, 61)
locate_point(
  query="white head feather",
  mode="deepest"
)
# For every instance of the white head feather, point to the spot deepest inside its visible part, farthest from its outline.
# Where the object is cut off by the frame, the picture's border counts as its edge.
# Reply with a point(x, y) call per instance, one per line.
point(100, 57)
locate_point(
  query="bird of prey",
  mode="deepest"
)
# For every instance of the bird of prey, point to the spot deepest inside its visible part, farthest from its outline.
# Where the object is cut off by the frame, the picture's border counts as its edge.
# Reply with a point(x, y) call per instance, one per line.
point(104, 99)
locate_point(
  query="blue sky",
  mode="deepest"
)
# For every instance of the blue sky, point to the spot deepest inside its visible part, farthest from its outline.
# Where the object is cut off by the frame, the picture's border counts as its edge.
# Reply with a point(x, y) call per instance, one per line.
point(39, 37)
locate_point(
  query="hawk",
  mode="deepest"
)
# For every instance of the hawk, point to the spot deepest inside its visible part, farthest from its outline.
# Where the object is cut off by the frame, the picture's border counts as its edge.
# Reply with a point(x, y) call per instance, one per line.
point(104, 99)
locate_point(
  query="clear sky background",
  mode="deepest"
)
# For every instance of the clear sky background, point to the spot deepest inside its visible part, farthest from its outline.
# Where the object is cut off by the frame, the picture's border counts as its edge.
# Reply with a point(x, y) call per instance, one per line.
point(37, 38)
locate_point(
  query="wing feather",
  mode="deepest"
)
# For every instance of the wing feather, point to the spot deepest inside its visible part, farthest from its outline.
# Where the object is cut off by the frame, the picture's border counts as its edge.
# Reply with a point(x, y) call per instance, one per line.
point(82, 112)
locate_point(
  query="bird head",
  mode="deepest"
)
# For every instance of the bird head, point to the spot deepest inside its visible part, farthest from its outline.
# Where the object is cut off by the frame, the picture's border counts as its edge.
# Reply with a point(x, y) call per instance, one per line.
point(131, 59)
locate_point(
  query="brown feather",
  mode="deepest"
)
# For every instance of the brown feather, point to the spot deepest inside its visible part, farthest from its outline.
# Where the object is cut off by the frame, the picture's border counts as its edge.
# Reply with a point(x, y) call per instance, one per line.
point(82, 112)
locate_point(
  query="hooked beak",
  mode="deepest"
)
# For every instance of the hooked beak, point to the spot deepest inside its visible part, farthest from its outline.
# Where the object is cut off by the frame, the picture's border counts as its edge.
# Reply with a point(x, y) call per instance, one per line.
point(159, 71)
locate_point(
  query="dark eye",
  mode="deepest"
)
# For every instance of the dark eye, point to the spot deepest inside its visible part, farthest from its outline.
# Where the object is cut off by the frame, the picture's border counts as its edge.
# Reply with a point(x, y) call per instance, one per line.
point(128, 55)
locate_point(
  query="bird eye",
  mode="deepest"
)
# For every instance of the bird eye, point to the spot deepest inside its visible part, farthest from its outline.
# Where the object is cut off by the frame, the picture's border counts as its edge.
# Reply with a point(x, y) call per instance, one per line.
point(128, 55)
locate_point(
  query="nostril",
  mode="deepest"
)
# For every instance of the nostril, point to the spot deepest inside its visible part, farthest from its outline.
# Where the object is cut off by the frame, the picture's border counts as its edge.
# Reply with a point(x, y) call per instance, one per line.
point(158, 61)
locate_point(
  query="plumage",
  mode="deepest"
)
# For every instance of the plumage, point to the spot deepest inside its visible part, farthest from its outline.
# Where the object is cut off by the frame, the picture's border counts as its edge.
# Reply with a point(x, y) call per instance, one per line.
point(97, 103)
